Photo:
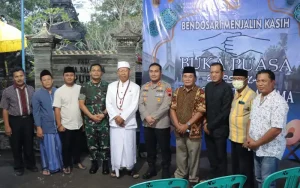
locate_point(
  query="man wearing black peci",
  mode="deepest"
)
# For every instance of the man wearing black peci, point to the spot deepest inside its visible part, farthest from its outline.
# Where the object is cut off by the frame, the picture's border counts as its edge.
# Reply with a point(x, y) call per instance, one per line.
point(218, 104)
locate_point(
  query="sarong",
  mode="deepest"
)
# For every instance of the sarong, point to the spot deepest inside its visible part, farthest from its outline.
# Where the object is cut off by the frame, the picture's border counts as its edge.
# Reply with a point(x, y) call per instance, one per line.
point(51, 153)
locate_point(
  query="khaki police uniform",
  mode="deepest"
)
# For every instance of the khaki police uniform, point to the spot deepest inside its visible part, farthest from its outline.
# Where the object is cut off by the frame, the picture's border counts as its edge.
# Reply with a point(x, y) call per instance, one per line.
point(155, 101)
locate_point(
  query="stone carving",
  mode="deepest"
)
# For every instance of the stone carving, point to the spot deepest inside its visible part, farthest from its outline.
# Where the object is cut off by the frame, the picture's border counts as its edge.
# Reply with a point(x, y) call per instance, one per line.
point(74, 32)
point(126, 37)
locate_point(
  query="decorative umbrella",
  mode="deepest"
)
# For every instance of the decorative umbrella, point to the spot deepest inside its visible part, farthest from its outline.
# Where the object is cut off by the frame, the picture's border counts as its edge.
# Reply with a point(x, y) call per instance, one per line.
point(10, 38)
point(10, 41)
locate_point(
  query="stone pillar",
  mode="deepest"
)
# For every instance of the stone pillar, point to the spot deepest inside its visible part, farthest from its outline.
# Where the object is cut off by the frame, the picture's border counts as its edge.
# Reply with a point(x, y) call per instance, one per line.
point(126, 46)
point(43, 44)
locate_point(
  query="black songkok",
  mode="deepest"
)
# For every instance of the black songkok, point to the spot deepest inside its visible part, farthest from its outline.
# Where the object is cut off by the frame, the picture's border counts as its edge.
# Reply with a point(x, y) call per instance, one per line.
point(189, 70)
point(69, 69)
point(44, 73)
point(240, 72)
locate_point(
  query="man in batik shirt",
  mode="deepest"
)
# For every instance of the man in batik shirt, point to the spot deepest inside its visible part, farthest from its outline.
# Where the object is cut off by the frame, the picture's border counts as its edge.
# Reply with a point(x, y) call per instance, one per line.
point(187, 110)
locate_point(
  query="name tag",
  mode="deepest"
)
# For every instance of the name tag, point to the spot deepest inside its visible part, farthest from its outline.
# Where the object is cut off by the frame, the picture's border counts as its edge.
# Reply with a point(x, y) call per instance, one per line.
point(159, 94)
point(241, 102)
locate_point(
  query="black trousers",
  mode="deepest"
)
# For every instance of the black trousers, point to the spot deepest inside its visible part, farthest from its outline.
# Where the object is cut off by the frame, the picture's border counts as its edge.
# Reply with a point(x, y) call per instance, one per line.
point(21, 141)
point(71, 142)
point(242, 163)
point(162, 137)
point(217, 155)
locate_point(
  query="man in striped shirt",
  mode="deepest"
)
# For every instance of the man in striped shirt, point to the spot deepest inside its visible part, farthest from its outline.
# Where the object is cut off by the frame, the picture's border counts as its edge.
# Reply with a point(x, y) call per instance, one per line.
point(18, 121)
point(242, 158)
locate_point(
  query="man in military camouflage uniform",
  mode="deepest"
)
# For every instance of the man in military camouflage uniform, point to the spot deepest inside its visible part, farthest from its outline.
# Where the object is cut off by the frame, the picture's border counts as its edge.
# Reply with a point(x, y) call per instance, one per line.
point(92, 103)
point(154, 105)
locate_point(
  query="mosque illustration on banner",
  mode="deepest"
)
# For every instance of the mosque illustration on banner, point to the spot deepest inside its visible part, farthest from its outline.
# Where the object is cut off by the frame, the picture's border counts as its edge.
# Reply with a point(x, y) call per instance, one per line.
point(168, 69)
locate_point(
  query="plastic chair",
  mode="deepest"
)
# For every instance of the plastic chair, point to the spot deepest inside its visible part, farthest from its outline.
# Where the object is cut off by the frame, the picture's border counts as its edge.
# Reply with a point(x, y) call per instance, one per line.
point(163, 183)
point(292, 178)
point(293, 139)
point(226, 181)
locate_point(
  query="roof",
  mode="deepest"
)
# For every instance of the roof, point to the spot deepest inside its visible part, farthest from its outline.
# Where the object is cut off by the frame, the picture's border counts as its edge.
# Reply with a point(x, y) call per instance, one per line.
point(85, 52)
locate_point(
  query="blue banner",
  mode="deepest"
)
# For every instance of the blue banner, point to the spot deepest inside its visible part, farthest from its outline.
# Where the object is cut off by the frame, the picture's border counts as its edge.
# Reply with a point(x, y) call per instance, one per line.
point(253, 35)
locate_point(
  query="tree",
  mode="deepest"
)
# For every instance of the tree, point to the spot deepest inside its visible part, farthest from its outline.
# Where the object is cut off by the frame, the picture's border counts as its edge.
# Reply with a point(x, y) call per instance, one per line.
point(110, 17)
point(12, 9)
point(50, 16)
point(120, 10)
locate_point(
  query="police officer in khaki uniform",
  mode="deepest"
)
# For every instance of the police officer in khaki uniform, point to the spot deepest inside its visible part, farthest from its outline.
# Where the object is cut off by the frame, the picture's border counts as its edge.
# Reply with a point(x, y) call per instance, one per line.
point(154, 105)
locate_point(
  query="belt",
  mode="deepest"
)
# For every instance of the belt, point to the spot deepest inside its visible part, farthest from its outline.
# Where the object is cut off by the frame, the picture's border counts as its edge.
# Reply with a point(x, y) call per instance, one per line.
point(22, 117)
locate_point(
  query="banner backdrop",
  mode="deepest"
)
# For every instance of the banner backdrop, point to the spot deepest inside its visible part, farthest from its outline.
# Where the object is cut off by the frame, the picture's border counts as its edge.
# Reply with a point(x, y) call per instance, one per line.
point(253, 35)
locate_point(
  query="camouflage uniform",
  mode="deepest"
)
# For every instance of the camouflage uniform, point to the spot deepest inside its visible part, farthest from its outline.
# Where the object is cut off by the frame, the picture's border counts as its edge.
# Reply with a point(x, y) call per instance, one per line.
point(97, 133)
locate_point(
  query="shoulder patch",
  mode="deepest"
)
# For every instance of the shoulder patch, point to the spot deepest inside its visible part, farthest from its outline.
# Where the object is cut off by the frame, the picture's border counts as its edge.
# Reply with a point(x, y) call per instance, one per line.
point(169, 91)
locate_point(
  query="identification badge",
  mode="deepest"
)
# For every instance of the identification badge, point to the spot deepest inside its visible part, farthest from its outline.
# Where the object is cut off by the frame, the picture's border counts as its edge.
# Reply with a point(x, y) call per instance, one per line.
point(158, 99)
point(241, 102)
point(159, 94)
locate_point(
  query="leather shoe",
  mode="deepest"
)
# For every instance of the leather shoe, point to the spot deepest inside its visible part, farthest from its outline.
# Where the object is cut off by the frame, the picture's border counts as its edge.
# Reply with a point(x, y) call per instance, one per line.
point(149, 174)
point(192, 184)
point(19, 172)
point(94, 168)
point(105, 168)
point(33, 169)
point(165, 173)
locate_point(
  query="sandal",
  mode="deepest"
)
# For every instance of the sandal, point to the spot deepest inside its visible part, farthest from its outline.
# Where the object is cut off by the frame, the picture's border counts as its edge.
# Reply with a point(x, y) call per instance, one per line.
point(46, 172)
point(80, 166)
point(134, 174)
point(113, 174)
point(67, 170)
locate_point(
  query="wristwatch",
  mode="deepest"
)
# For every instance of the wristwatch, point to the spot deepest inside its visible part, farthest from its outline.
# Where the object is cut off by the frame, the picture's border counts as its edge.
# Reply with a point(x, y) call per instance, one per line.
point(189, 124)
point(105, 114)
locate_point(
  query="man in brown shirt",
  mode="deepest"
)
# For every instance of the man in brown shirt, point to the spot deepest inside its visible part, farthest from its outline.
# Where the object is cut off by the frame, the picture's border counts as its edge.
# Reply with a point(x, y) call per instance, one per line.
point(187, 110)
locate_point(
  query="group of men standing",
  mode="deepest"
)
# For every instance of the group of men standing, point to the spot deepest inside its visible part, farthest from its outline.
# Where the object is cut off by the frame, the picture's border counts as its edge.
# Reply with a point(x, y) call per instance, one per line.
point(109, 122)
point(254, 123)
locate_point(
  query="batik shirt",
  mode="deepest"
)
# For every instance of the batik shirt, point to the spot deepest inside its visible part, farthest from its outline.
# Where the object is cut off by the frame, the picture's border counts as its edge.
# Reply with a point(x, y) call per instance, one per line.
point(186, 103)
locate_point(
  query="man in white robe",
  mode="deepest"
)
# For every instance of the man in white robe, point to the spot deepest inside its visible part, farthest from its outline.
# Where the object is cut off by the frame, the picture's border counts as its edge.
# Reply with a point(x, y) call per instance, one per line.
point(121, 104)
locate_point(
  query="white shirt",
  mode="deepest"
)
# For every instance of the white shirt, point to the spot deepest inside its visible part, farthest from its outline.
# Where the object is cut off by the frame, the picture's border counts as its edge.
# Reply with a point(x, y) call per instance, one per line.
point(129, 106)
point(66, 98)
point(271, 112)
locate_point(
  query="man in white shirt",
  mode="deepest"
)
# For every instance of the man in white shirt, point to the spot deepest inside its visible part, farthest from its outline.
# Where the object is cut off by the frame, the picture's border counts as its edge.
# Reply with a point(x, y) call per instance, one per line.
point(69, 120)
point(121, 104)
point(266, 131)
